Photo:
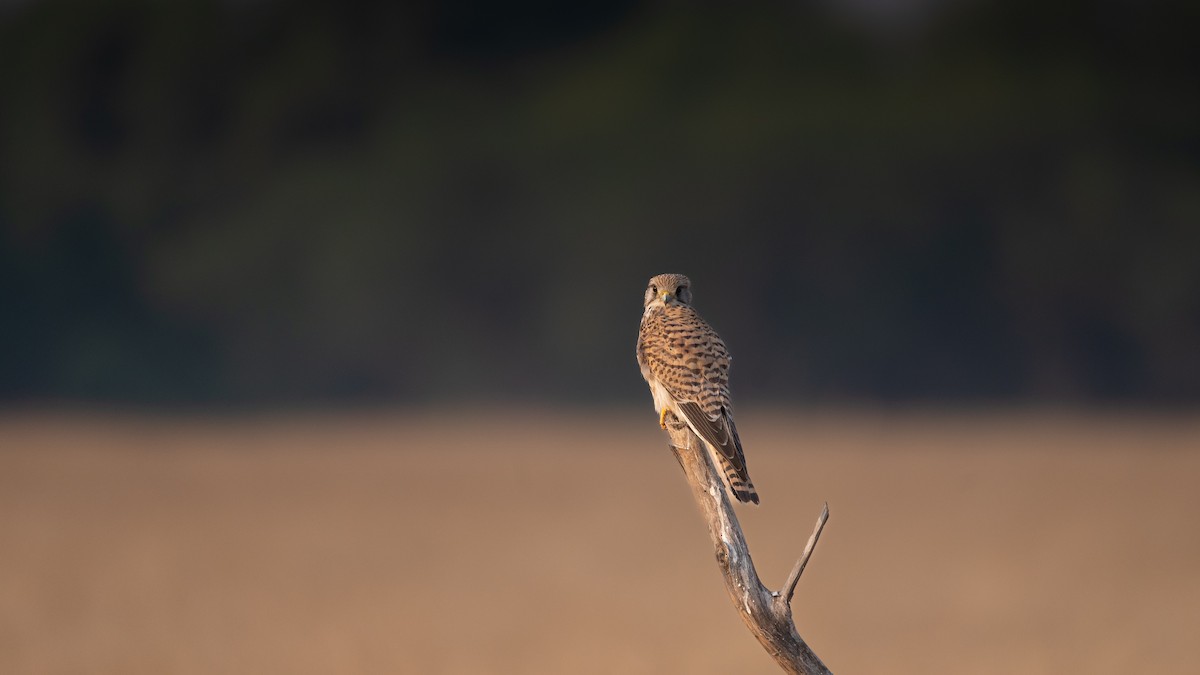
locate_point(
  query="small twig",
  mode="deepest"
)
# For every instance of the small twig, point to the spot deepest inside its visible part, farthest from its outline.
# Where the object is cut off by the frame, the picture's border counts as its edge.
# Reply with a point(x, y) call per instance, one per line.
point(789, 588)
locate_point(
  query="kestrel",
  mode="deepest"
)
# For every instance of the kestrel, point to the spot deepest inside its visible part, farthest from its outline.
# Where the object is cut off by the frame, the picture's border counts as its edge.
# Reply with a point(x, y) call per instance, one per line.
point(687, 367)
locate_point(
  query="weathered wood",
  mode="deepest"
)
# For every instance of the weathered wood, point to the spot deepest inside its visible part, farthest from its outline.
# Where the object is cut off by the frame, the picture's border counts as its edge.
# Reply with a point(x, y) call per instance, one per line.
point(768, 614)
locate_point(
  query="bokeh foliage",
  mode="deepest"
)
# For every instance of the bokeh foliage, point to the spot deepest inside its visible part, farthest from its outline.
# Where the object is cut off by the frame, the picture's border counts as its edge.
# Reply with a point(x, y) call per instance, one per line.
point(208, 201)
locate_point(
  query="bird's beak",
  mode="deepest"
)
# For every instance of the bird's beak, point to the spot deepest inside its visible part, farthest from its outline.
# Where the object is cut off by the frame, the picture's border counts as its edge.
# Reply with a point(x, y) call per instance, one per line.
point(664, 295)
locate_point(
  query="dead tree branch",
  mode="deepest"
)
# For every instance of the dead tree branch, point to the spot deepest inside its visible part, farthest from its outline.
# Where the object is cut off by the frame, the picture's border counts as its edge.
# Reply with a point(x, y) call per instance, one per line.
point(767, 614)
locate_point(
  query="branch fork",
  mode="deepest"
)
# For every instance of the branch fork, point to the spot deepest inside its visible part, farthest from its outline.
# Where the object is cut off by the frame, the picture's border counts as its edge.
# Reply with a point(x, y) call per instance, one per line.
point(768, 614)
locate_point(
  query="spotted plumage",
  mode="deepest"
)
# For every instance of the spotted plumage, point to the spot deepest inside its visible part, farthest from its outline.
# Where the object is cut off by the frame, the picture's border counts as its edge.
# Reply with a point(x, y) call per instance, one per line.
point(687, 367)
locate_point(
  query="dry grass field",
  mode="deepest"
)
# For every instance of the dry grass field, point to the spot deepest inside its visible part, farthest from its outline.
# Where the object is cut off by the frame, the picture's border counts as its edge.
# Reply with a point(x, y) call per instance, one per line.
point(546, 542)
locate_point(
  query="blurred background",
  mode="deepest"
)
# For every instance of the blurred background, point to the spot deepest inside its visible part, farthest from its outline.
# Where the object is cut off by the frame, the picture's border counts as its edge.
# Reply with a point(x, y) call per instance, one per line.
point(309, 307)
point(304, 202)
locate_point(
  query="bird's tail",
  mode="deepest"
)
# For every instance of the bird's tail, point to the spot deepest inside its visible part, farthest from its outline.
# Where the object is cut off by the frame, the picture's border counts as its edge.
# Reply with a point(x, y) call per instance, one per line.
point(739, 482)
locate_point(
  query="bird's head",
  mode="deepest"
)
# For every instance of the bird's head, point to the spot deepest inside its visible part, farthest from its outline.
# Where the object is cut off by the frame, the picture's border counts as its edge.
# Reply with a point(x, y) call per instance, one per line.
point(667, 289)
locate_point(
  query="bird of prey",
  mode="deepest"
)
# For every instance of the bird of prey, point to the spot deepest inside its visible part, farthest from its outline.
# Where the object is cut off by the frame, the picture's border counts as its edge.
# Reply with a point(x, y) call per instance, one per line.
point(687, 367)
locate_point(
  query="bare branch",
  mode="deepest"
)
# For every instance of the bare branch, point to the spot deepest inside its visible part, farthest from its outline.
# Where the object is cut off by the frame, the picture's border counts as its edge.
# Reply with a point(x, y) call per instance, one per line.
point(768, 615)
point(790, 587)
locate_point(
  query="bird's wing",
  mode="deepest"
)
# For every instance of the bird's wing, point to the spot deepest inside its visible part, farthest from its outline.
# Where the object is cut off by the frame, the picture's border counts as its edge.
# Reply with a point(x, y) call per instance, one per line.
point(719, 432)
point(690, 361)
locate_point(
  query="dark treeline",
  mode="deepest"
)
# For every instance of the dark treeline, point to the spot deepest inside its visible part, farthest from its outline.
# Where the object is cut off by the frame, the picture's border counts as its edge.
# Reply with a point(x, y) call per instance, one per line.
point(206, 202)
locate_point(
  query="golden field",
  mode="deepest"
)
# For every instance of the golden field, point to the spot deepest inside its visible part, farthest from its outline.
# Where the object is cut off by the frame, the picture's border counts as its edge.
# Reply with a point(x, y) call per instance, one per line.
point(567, 542)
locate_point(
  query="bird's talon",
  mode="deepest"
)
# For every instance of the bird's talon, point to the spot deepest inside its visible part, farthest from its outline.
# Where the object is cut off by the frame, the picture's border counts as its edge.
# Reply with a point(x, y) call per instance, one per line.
point(662, 418)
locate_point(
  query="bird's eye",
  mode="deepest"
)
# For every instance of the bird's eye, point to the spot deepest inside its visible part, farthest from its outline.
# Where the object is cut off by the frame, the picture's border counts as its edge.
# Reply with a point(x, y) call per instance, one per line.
point(679, 291)
point(653, 289)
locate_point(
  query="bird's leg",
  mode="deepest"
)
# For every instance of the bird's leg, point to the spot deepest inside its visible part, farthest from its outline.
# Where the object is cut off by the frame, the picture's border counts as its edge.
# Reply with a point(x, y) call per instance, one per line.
point(662, 418)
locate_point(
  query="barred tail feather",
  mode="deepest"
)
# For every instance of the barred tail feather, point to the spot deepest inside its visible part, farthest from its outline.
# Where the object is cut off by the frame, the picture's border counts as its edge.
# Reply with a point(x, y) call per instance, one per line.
point(741, 487)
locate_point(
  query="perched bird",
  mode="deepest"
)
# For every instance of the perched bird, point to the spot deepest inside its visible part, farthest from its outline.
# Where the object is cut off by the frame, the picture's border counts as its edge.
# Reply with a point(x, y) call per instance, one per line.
point(687, 367)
